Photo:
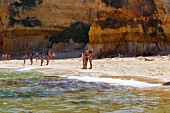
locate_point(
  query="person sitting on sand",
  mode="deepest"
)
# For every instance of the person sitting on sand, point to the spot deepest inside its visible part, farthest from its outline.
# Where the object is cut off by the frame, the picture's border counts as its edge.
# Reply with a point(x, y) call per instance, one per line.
point(90, 55)
point(31, 58)
point(24, 57)
point(42, 58)
point(120, 55)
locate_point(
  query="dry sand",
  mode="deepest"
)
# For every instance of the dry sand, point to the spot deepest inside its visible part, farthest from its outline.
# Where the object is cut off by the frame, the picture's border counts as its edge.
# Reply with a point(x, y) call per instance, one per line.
point(150, 69)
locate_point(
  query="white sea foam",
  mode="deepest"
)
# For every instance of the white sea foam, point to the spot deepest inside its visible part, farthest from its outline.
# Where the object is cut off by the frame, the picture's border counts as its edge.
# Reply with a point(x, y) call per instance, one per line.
point(131, 82)
point(26, 69)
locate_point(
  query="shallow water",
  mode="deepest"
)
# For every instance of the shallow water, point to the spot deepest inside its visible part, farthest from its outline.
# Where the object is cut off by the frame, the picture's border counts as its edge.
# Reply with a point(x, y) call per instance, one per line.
point(31, 91)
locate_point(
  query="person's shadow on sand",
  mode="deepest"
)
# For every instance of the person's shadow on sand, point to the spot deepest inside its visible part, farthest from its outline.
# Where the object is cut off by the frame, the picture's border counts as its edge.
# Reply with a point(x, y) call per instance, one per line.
point(166, 84)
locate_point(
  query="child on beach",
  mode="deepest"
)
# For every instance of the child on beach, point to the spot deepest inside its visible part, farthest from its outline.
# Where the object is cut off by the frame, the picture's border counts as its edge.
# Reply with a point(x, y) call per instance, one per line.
point(24, 57)
point(42, 58)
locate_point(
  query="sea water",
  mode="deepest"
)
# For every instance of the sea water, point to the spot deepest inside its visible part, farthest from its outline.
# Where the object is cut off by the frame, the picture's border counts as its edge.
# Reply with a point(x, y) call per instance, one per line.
point(26, 91)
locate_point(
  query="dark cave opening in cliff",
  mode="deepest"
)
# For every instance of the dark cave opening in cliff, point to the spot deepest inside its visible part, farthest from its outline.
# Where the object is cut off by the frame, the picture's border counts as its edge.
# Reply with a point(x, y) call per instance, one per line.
point(78, 32)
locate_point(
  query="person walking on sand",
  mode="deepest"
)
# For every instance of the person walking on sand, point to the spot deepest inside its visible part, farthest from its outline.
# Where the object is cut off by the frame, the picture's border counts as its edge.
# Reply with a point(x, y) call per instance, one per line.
point(31, 58)
point(42, 58)
point(90, 55)
point(24, 57)
point(36, 57)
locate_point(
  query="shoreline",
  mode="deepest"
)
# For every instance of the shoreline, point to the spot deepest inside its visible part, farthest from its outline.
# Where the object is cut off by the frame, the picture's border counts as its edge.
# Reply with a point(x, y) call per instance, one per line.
point(147, 69)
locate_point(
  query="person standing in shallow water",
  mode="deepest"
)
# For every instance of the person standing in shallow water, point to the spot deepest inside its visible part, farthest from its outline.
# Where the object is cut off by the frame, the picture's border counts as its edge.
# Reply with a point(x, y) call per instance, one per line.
point(90, 55)
point(42, 58)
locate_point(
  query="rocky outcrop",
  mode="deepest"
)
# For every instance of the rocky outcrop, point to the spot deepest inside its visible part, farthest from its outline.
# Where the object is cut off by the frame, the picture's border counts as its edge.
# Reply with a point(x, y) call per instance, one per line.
point(28, 25)
point(130, 28)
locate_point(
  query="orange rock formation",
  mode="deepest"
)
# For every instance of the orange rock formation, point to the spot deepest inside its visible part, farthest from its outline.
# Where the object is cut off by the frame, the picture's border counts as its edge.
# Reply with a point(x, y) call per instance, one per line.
point(131, 28)
point(128, 27)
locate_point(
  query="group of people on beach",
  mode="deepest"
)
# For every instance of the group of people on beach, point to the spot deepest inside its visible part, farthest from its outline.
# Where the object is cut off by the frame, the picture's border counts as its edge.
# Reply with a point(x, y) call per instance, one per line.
point(47, 55)
point(6, 57)
point(87, 56)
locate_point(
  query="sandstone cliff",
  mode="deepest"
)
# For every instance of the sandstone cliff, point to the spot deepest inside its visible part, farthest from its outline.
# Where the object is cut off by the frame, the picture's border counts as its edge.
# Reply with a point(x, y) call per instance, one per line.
point(129, 27)
point(28, 25)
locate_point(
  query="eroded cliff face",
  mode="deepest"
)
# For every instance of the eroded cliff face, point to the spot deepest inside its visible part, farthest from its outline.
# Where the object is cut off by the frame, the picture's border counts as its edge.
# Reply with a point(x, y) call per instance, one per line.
point(130, 27)
point(27, 25)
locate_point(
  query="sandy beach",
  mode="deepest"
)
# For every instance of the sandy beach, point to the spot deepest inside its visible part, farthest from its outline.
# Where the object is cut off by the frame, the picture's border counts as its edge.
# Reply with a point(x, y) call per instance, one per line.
point(149, 69)
point(121, 82)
